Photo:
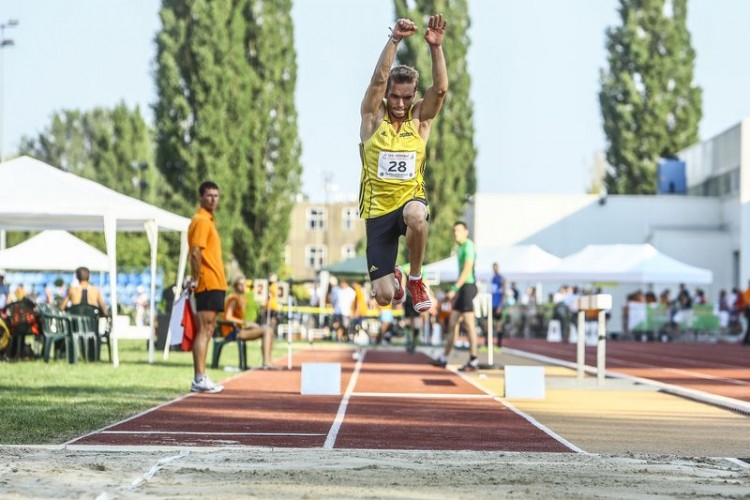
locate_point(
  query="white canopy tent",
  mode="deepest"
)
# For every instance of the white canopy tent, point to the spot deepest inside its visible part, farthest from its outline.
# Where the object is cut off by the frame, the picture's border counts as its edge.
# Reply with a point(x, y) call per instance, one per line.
point(518, 263)
point(639, 263)
point(53, 250)
point(37, 196)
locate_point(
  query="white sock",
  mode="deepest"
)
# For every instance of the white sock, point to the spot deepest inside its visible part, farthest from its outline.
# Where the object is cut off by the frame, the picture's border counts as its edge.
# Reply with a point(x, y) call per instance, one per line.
point(415, 278)
point(199, 377)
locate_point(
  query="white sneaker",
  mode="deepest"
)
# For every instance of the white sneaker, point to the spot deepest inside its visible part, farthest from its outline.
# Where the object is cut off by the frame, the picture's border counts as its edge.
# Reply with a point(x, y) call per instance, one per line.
point(205, 385)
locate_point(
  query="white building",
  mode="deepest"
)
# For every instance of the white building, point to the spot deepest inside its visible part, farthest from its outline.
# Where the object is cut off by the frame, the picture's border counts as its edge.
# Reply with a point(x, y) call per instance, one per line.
point(708, 227)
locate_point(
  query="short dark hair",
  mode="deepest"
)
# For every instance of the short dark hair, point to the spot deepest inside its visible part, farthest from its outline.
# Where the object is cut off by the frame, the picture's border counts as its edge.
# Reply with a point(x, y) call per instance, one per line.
point(402, 74)
point(83, 274)
point(460, 223)
point(205, 186)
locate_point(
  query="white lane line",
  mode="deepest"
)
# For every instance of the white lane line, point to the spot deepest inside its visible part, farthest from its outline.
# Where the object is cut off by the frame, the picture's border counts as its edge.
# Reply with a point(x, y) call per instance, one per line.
point(419, 395)
point(146, 412)
point(179, 433)
point(336, 426)
point(700, 396)
point(523, 415)
point(635, 364)
point(628, 364)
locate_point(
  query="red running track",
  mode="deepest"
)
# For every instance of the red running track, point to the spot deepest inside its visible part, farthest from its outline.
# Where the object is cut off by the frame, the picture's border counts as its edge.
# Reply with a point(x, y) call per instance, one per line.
point(399, 401)
point(719, 369)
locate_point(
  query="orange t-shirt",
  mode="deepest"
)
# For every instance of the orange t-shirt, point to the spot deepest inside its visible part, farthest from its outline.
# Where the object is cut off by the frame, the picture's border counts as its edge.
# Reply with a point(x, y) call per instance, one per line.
point(202, 234)
point(233, 303)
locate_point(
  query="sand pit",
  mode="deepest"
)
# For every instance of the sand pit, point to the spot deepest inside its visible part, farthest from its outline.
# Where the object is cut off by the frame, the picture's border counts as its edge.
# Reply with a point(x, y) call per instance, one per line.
point(314, 473)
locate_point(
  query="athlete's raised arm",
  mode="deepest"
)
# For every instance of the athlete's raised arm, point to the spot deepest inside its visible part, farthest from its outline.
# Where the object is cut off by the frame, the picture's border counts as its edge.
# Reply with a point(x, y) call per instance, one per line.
point(376, 89)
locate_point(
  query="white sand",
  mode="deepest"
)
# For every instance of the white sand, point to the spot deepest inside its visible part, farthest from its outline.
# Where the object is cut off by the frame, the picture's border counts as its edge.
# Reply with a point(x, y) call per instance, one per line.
point(305, 473)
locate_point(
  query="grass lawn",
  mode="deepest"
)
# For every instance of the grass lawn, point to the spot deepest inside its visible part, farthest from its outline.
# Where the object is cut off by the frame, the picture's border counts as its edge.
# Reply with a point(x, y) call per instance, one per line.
point(51, 403)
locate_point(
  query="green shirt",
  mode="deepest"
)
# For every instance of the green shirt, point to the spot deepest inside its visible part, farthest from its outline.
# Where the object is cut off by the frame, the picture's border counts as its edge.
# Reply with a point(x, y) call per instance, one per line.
point(466, 252)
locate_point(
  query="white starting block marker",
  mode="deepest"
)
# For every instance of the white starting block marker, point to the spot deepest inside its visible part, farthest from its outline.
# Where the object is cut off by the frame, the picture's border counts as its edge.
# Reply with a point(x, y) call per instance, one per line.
point(321, 379)
point(554, 331)
point(524, 382)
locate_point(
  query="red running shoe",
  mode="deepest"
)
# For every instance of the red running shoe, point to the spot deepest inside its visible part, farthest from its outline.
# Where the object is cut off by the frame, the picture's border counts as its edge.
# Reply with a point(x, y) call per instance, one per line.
point(419, 296)
point(399, 296)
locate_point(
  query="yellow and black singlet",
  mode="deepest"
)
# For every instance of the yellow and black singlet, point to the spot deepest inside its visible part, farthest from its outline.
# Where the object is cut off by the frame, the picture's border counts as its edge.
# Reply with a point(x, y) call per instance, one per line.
point(393, 164)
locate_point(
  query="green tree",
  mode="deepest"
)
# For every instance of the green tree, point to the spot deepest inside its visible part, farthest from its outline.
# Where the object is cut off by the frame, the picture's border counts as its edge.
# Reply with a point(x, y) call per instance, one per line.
point(451, 172)
point(113, 147)
point(649, 105)
point(226, 73)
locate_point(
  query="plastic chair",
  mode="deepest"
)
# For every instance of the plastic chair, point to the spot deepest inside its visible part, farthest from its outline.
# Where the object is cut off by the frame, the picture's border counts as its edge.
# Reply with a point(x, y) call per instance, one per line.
point(219, 341)
point(56, 331)
point(85, 323)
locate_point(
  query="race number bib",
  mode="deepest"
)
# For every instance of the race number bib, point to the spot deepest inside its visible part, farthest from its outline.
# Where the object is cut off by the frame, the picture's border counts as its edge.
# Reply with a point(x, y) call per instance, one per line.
point(397, 165)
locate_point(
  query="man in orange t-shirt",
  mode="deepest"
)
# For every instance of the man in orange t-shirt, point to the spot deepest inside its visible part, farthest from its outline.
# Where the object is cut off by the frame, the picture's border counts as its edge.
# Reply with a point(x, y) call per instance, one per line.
point(207, 281)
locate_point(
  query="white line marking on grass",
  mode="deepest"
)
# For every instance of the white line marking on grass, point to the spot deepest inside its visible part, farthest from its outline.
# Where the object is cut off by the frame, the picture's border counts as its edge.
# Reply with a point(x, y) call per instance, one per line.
point(334, 431)
point(419, 395)
point(523, 415)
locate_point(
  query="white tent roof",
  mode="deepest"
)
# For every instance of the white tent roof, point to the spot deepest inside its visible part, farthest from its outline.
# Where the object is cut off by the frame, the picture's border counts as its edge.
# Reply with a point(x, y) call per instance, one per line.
point(625, 264)
point(518, 263)
point(37, 196)
point(53, 251)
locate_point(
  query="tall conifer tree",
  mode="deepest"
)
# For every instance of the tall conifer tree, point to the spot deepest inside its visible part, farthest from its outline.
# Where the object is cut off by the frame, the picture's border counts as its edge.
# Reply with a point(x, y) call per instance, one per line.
point(650, 107)
point(451, 172)
point(226, 74)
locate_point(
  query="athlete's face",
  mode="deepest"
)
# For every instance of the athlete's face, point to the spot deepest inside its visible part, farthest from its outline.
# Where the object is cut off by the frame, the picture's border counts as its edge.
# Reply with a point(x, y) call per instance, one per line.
point(400, 97)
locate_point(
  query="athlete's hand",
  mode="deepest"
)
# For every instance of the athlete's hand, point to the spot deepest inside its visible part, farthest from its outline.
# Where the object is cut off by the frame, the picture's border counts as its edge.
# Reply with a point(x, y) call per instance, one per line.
point(435, 30)
point(403, 28)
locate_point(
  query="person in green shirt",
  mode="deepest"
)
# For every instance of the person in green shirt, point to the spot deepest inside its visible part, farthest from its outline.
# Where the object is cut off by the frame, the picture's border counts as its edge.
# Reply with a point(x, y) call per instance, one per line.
point(462, 295)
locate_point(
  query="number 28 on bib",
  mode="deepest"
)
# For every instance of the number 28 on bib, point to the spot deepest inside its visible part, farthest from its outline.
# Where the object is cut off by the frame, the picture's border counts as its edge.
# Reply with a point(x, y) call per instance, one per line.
point(400, 165)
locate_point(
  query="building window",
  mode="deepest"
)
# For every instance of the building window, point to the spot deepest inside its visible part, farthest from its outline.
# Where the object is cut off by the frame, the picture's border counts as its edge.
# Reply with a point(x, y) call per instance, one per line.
point(348, 251)
point(315, 256)
point(316, 219)
point(349, 217)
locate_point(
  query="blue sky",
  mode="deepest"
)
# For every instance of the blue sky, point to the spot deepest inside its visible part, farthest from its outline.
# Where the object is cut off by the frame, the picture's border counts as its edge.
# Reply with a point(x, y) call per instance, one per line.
point(534, 66)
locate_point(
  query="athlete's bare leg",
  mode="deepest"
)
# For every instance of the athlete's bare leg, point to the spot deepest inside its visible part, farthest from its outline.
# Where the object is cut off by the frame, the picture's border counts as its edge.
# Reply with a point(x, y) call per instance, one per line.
point(384, 288)
point(417, 228)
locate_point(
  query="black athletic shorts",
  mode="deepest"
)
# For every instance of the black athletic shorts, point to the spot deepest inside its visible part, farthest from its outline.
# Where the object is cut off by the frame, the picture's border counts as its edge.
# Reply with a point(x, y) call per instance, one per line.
point(210, 300)
point(464, 300)
point(382, 240)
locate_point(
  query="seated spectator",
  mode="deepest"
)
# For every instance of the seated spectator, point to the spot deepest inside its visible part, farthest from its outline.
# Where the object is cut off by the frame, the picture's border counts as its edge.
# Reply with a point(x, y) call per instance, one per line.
point(84, 293)
point(234, 312)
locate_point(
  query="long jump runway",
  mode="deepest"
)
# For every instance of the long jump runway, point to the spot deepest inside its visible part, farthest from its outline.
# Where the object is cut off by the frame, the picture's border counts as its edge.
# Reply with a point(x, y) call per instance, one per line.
point(390, 400)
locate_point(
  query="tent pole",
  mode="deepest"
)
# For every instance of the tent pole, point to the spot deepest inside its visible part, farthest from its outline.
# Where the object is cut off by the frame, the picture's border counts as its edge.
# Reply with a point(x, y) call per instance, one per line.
point(152, 232)
point(110, 239)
